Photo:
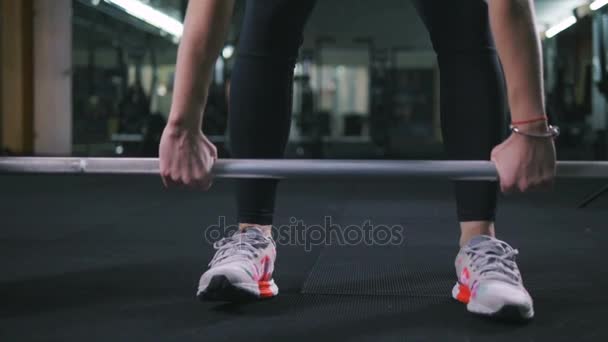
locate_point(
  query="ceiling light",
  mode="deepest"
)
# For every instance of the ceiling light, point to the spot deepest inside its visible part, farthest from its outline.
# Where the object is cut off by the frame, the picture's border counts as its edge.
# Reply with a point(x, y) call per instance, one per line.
point(228, 51)
point(598, 4)
point(561, 26)
point(151, 16)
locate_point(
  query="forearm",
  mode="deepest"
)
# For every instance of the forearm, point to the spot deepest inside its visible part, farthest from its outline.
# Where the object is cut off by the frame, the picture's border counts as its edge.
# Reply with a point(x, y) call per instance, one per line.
point(518, 45)
point(205, 29)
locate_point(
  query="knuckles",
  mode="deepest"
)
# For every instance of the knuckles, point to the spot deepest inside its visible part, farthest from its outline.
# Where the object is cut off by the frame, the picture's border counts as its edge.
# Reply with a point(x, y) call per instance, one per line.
point(199, 176)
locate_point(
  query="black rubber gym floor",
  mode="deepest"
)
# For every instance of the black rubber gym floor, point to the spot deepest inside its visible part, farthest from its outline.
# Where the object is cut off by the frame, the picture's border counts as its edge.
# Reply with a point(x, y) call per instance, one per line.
point(118, 259)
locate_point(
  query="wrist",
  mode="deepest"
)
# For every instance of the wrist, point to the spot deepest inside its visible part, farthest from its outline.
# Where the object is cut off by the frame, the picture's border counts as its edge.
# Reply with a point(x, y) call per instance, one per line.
point(536, 130)
point(535, 127)
point(181, 124)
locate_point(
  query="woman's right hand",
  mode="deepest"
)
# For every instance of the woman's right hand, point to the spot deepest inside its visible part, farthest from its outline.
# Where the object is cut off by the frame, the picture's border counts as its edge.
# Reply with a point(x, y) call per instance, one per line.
point(186, 158)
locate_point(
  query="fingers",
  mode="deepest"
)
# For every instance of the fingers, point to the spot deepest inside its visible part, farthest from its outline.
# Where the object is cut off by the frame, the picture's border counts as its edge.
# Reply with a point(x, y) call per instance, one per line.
point(506, 184)
point(213, 151)
point(524, 184)
point(174, 182)
point(187, 183)
point(190, 177)
point(164, 180)
point(174, 177)
point(205, 186)
point(166, 177)
point(202, 180)
point(508, 187)
point(207, 180)
point(542, 183)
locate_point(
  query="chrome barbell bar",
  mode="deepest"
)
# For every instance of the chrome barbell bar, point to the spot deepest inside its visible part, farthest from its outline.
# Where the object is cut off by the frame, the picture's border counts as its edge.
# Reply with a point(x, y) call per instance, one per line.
point(291, 168)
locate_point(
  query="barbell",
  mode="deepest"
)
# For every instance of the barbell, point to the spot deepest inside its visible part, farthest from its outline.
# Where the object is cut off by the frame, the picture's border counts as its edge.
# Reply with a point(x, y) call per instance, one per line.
point(289, 169)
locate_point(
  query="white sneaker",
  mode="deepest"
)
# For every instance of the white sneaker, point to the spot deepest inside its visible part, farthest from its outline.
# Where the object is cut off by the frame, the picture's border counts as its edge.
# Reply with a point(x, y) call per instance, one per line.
point(241, 268)
point(489, 281)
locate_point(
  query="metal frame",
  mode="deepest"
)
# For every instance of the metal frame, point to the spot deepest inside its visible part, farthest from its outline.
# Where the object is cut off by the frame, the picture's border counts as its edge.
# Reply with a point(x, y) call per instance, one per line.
point(279, 169)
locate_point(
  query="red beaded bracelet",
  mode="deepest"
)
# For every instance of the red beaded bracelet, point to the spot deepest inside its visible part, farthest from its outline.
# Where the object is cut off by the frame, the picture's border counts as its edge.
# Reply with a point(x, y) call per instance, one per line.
point(525, 122)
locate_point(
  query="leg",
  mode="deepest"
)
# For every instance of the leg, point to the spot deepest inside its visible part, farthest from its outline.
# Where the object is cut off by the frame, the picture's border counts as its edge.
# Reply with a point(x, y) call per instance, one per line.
point(472, 100)
point(261, 96)
point(259, 126)
point(472, 113)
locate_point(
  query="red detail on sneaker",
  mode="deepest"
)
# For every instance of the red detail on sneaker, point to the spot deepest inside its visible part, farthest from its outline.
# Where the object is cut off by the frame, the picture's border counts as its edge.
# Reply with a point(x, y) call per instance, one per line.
point(464, 276)
point(264, 277)
point(265, 269)
point(264, 283)
point(464, 294)
point(265, 290)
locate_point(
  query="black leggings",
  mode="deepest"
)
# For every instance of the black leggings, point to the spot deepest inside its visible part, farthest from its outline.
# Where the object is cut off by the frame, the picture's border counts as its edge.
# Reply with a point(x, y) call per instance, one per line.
point(472, 94)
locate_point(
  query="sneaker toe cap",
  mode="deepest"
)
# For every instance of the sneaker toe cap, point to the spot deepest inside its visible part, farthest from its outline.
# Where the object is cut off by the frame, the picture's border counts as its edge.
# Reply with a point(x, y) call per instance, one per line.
point(496, 294)
point(235, 275)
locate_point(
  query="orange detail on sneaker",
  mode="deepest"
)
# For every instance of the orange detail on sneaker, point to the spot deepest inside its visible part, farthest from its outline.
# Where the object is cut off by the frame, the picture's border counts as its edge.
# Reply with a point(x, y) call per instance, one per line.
point(265, 290)
point(464, 294)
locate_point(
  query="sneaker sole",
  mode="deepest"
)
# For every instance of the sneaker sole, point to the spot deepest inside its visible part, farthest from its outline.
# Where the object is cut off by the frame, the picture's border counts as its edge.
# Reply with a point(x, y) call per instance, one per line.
point(221, 289)
point(507, 313)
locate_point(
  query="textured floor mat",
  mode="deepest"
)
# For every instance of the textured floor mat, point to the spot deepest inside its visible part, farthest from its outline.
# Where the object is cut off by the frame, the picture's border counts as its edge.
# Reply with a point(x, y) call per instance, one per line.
point(397, 270)
point(416, 271)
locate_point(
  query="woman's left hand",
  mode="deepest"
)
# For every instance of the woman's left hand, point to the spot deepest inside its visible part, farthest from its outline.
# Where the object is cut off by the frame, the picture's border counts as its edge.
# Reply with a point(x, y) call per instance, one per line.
point(525, 163)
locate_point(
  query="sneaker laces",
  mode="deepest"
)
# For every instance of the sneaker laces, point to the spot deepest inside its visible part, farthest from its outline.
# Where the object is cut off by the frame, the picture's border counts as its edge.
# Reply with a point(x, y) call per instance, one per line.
point(242, 245)
point(494, 259)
